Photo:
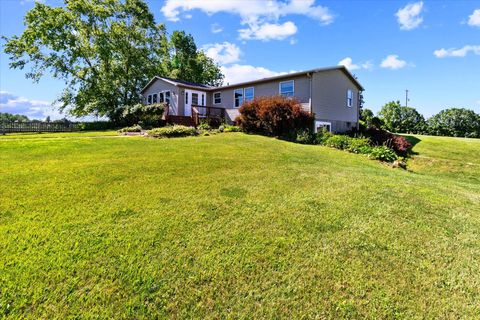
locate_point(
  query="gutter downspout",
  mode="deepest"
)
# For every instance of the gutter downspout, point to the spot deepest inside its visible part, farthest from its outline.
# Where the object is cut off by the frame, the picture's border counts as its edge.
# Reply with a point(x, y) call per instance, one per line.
point(309, 75)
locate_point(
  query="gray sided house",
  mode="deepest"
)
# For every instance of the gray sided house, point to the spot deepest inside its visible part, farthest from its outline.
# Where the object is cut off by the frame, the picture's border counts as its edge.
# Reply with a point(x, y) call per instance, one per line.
point(332, 94)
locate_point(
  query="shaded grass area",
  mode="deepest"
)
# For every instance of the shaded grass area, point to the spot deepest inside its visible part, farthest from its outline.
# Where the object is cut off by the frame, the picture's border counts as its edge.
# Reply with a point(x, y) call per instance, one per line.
point(232, 226)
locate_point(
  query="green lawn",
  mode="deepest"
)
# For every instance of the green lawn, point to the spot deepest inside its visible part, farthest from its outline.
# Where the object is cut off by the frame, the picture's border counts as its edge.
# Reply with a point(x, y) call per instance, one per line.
point(236, 226)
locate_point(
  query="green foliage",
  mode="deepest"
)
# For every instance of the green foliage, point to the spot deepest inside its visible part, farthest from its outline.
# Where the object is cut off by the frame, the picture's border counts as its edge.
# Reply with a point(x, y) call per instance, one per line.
point(368, 119)
point(135, 128)
point(456, 122)
point(97, 125)
point(235, 226)
point(305, 137)
point(382, 153)
point(338, 141)
point(146, 114)
point(105, 51)
point(204, 126)
point(397, 118)
point(172, 132)
point(230, 128)
point(8, 117)
point(322, 136)
point(359, 145)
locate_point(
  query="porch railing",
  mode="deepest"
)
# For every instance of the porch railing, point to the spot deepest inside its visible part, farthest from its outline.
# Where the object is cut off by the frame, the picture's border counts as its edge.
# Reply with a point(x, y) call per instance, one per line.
point(207, 112)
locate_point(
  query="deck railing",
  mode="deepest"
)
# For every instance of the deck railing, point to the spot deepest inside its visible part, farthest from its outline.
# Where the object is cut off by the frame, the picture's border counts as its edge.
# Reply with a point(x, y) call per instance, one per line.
point(207, 112)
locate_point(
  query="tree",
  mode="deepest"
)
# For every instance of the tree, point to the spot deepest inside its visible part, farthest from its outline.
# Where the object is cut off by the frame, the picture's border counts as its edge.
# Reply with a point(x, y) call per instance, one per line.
point(104, 50)
point(8, 117)
point(397, 118)
point(369, 119)
point(456, 122)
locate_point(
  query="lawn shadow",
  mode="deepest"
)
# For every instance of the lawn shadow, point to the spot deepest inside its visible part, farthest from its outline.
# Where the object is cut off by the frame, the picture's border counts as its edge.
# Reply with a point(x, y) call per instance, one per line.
point(413, 140)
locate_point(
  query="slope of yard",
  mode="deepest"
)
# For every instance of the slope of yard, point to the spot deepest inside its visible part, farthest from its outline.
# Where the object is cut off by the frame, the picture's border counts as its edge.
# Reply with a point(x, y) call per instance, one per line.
point(236, 226)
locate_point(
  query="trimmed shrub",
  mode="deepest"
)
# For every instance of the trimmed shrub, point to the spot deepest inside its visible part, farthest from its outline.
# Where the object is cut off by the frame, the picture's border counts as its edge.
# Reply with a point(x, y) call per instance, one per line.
point(135, 128)
point(382, 153)
point(274, 116)
point(172, 132)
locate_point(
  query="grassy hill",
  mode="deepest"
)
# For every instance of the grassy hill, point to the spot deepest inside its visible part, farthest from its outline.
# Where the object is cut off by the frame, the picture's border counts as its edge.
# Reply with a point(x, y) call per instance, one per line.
point(236, 226)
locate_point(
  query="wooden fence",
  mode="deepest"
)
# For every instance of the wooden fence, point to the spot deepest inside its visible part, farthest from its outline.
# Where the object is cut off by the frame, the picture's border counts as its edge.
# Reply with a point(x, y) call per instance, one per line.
point(7, 127)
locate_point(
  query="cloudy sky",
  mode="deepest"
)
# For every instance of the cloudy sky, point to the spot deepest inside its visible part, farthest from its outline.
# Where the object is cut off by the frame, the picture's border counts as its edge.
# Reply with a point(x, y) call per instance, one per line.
point(431, 48)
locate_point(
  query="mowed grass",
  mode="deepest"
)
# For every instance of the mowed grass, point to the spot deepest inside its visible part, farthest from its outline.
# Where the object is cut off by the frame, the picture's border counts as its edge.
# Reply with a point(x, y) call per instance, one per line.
point(234, 226)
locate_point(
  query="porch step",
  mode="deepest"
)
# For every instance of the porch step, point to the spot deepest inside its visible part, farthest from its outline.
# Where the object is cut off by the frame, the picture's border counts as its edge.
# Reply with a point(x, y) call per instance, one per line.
point(181, 120)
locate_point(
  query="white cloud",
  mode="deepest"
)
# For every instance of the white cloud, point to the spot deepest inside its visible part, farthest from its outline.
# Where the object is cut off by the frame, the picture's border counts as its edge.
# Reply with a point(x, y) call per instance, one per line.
point(240, 73)
point(409, 16)
point(474, 18)
point(268, 31)
point(393, 62)
point(223, 53)
point(34, 109)
point(261, 17)
point(348, 63)
point(216, 28)
point(454, 52)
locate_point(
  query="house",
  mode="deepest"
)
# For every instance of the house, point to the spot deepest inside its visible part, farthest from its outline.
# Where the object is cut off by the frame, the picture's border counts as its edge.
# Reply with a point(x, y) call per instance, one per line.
point(332, 94)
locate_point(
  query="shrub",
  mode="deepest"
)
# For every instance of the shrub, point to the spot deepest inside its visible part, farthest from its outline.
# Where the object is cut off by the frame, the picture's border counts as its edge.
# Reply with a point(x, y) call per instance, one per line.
point(338, 141)
point(322, 136)
point(97, 125)
point(135, 128)
point(382, 137)
point(204, 126)
point(147, 114)
point(172, 132)
point(382, 153)
point(229, 128)
point(274, 116)
point(305, 137)
point(359, 145)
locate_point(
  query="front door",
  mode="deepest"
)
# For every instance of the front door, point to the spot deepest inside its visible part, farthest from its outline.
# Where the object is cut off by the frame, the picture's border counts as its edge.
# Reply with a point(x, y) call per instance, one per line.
point(194, 98)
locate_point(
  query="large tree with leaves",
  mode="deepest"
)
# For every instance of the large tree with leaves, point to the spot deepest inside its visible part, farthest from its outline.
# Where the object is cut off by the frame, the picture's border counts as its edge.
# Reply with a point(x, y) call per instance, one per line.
point(105, 51)
point(398, 118)
point(456, 122)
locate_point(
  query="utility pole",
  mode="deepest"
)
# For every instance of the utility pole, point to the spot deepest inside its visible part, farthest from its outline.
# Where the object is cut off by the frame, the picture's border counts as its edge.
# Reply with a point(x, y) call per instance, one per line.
point(406, 98)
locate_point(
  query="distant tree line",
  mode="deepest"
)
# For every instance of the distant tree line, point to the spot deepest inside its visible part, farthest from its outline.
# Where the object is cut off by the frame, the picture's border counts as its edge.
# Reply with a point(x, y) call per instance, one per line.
point(455, 122)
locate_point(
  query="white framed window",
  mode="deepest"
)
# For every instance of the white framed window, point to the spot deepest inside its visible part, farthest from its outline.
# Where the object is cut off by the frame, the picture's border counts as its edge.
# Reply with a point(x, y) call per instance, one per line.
point(287, 88)
point(322, 125)
point(186, 97)
point(238, 97)
point(349, 98)
point(249, 93)
point(149, 99)
point(194, 99)
point(161, 97)
point(217, 98)
point(167, 97)
point(203, 99)
point(154, 98)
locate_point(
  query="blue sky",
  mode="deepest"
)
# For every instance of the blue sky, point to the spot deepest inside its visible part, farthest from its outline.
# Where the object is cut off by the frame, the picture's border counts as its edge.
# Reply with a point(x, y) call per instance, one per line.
point(431, 48)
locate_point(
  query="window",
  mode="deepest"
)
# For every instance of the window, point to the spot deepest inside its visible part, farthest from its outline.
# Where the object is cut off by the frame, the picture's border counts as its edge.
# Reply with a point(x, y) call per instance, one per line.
point(287, 88)
point(238, 96)
point(249, 92)
point(203, 99)
point(217, 98)
point(194, 99)
point(349, 98)
point(186, 97)
point(321, 125)
point(167, 97)
point(149, 100)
